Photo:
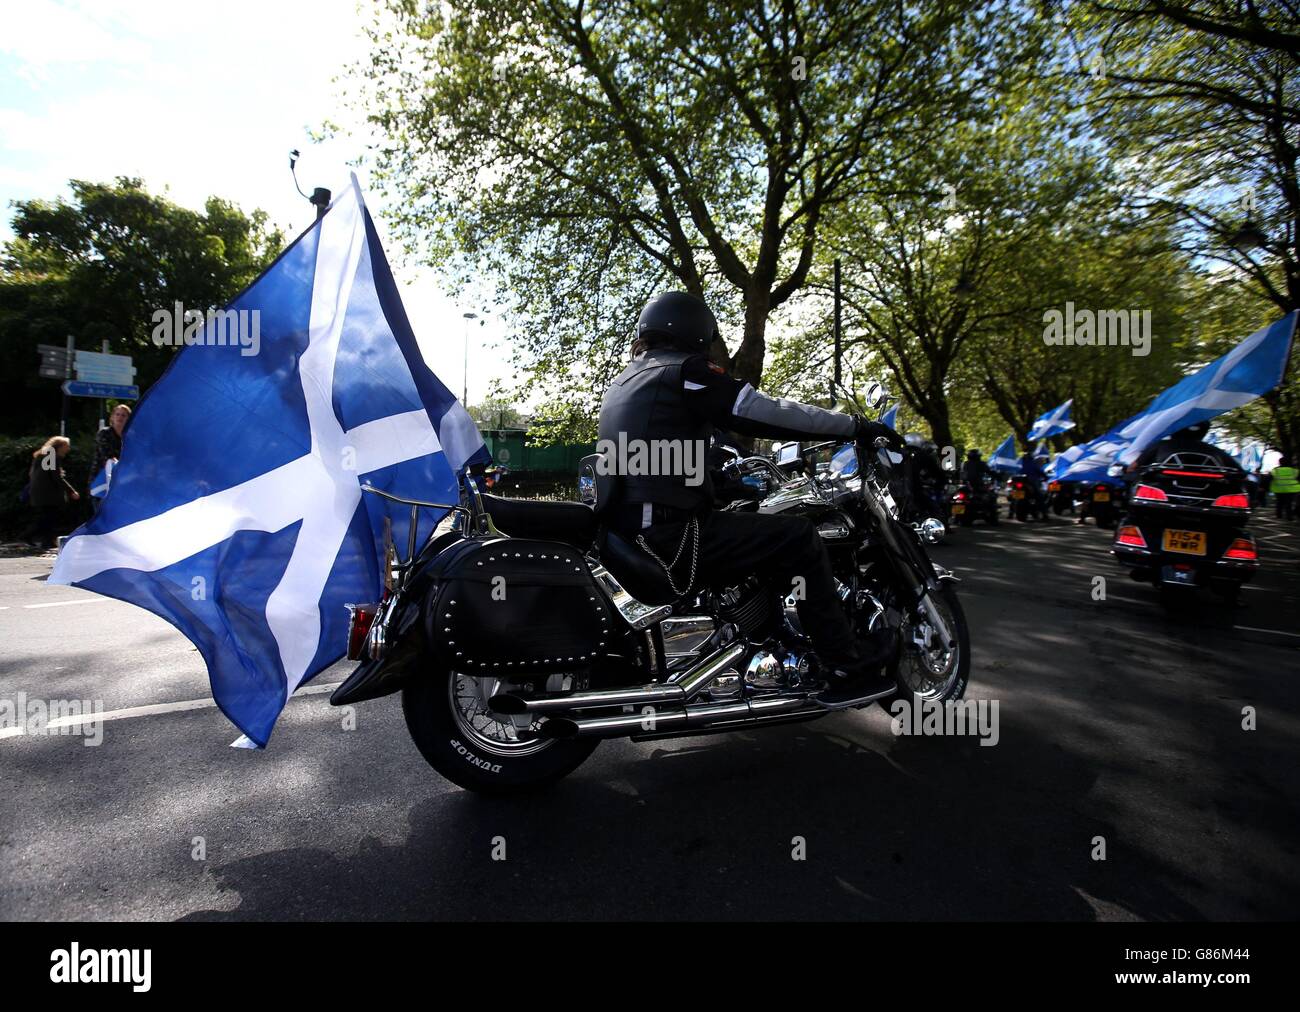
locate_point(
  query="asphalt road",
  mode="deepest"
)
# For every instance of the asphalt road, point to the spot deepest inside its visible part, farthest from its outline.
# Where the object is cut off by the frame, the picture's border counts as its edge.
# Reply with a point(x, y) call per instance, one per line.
point(1115, 722)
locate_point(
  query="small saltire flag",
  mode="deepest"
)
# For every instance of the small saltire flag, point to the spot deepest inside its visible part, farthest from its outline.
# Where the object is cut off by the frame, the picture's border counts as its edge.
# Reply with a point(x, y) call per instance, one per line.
point(237, 512)
point(99, 483)
point(1252, 368)
point(1052, 423)
point(890, 417)
point(1004, 457)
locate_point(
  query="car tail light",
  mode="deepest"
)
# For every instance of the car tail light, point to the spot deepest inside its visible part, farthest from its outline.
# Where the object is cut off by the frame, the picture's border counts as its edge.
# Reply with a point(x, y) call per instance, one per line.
point(961, 496)
point(1236, 502)
point(1150, 492)
point(1242, 549)
point(1130, 536)
point(360, 619)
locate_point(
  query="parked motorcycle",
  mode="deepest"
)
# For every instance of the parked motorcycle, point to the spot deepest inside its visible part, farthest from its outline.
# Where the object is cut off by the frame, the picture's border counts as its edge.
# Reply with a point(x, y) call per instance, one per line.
point(969, 504)
point(588, 639)
point(1186, 528)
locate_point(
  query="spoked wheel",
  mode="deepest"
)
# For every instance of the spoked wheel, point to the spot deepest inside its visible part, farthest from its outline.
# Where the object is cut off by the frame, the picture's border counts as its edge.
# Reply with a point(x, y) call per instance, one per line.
point(462, 738)
point(926, 668)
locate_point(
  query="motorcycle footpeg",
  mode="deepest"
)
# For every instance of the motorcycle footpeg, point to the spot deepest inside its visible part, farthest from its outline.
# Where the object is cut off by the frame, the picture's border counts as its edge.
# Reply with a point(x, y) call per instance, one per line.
point(868, 696)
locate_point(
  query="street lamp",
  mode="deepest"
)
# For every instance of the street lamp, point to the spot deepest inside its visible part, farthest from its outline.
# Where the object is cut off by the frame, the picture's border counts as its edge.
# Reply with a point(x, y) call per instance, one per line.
point(320, 197)
point(464, 397)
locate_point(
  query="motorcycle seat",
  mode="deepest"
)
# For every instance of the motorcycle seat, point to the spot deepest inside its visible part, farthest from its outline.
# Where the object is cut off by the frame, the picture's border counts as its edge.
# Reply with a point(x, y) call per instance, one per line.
point(571, 523)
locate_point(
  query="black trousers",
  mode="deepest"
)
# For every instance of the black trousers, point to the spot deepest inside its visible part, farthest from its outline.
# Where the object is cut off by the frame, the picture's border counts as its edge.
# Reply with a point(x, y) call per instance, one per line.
point(785, 551)
point(1285, 504)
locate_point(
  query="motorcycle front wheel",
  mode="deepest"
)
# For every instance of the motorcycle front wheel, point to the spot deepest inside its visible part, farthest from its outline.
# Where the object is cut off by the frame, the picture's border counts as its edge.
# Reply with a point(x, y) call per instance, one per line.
point(925, 668)
point(480, 750)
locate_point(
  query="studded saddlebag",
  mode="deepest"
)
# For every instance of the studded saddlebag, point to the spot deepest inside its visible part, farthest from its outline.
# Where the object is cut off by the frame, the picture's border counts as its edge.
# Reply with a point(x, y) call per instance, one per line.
point(508, 605)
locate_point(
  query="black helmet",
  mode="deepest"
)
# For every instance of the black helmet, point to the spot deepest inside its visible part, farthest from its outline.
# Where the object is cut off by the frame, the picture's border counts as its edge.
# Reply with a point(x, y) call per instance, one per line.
point(972, 455)
point(680, 319)
point(1197, 430)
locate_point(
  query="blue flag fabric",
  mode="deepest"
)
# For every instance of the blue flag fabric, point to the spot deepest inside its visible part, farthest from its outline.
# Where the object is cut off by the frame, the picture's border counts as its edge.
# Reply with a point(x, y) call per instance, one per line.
point(1092, 460)
point(1052, 423)
point(1252, 368)
point(237, 513)
point(890, 417)
point(1004, 458)
point(99, 483)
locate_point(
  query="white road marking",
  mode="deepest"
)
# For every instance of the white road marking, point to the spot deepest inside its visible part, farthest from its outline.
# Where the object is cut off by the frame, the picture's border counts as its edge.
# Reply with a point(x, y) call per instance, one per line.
point(80, 600)
point(1275, 632)
point(151, 710)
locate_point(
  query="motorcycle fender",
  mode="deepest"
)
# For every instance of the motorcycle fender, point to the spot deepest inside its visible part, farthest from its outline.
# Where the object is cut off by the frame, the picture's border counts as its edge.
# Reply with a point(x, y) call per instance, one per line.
point(375, 678)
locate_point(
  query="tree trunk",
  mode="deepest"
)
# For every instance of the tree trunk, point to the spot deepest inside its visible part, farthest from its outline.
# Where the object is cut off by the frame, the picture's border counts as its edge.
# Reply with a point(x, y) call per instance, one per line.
point(747, 363)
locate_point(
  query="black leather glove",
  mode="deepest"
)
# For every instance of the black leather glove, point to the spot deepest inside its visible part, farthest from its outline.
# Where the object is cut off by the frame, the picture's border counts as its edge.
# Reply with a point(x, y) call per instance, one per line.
point(867, 431)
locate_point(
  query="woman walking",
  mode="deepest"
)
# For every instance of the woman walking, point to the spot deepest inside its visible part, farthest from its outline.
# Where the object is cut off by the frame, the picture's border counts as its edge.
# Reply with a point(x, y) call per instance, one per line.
point(49, 488)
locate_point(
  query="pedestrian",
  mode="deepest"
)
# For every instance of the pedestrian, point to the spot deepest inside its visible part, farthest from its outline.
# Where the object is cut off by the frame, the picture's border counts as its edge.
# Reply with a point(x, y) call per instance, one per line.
point(108, 446)
point(49, 489)
point(1285, 485)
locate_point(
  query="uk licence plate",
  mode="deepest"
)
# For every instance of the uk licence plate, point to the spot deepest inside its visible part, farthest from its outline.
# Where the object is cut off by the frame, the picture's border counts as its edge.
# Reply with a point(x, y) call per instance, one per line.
point(1101, 497)
point(958, 510)
point(1186, 542)
point(1017, 495)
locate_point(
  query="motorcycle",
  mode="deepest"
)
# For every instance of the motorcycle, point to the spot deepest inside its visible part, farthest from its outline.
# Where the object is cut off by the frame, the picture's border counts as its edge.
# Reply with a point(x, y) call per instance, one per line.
point(1060, 496)
point(591, 638)
point(969, 504)
point(1186, 528)
point(1025, 498)
point(1101, 500)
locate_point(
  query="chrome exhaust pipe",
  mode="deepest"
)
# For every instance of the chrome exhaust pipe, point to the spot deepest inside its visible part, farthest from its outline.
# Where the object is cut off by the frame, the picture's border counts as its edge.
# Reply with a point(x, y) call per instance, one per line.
point(694, 716)
point(656, 694)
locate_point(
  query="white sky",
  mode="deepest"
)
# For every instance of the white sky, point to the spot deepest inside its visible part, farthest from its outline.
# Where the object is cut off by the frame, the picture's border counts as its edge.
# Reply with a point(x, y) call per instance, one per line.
point(203, 99)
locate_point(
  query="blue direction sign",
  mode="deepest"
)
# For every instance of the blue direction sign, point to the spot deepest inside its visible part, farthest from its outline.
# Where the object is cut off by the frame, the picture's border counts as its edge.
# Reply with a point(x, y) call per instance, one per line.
point(78, 388)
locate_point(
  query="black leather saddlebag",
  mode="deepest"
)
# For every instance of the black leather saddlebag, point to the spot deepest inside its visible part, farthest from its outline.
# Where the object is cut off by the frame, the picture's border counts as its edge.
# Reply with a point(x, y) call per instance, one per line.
point(505, 606)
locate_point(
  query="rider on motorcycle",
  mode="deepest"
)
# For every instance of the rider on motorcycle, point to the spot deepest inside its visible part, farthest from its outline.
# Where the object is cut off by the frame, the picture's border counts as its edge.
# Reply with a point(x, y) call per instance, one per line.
point(1031, 467)
point(671, 391)
point(975, 472)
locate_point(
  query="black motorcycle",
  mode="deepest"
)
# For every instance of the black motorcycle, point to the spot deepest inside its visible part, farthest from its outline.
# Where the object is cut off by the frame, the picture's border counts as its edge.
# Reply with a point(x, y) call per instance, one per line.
point(1101, 500)
point(1025, 498)
point(970, 503)
point(1186, 528)
point(522, 633)
point(1060, 496)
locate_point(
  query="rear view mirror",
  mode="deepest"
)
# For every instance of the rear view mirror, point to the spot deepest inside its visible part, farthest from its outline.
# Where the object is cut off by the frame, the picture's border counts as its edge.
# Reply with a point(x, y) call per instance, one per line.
point(874, 395)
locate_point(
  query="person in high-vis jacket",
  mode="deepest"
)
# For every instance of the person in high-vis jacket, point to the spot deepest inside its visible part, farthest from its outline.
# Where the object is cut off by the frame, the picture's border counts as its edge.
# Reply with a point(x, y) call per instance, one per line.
point(671, 395)
point(1285, 484)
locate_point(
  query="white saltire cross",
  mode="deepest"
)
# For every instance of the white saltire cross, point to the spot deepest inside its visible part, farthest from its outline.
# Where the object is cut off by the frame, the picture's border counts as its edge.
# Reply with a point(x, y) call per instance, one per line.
point(318, 488)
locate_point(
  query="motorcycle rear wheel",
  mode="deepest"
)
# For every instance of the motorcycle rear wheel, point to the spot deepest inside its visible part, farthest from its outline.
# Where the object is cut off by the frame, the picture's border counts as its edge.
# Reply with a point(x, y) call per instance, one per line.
point(460, 742)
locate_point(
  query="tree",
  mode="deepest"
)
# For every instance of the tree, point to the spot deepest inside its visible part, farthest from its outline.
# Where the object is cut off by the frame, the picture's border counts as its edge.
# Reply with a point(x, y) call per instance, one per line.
point(97, 266)
point(583, 155)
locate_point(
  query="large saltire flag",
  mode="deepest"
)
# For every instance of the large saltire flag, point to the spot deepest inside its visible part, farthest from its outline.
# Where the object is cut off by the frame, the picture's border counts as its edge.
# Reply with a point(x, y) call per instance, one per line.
point(236, 511)
point(1004, 458)
point(1093, 460)
point(1252, 368)
point(890, 417)
point(1052, 423)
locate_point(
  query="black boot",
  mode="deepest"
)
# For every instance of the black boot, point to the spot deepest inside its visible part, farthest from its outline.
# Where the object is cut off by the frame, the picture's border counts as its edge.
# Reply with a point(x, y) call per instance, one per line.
point(862, 677)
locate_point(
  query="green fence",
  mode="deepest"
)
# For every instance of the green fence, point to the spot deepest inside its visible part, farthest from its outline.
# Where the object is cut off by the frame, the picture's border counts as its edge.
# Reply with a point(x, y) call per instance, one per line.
point(509, 448)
